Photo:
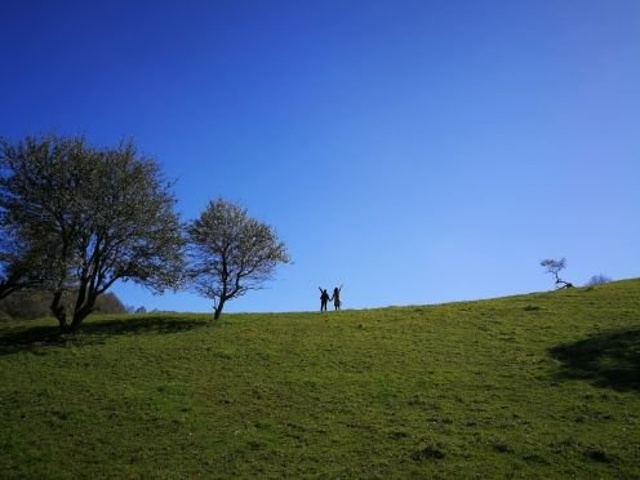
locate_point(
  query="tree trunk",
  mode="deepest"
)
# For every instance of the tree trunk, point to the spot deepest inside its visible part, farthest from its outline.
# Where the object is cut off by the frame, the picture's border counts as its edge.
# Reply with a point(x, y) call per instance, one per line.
point(218, 310)
point(62, 323)
point(78, 317)
point(59, 312)
point(79, 314)
point(84, 306)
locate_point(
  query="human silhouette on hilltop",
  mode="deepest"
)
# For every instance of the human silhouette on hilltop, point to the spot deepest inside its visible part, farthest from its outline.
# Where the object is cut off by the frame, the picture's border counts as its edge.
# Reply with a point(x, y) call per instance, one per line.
point(324, 298)
point(336, 297)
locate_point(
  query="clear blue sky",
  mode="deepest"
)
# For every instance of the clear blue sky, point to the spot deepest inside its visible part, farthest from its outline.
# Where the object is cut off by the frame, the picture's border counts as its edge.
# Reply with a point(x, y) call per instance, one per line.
point(418, 152)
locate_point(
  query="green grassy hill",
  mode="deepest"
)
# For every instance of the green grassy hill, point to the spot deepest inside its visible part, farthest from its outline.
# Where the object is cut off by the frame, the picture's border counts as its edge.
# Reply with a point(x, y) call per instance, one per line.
point(542, 385)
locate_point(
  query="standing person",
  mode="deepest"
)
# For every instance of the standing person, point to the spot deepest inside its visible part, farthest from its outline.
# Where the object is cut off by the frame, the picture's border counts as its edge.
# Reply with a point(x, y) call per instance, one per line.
point(324, 298)
point(336, 297)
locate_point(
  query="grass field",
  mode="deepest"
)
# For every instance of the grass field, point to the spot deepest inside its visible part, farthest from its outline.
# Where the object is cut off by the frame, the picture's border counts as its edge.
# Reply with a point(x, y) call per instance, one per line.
point(540, 386)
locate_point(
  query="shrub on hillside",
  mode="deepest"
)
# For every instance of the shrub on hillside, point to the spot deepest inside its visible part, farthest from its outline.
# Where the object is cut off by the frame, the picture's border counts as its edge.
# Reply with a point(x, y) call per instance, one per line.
point(598, 280)
point(30, 304)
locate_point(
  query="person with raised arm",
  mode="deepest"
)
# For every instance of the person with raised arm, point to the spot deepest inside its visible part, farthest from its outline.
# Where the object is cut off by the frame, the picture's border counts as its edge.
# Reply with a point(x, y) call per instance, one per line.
point(324, 298)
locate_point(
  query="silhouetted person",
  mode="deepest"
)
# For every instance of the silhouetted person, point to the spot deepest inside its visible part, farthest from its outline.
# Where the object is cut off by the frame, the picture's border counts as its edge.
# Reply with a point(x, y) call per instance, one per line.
point(336, 297)
point(324, 298)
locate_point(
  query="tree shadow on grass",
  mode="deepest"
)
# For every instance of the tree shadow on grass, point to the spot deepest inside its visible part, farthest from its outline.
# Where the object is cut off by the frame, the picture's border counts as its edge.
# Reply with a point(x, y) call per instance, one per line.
point(607, 359)
point(39, 339)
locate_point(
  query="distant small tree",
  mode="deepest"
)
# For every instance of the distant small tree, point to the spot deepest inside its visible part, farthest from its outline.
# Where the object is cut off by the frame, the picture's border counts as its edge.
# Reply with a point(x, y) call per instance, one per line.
point(598, 280)
point(554, 267)
point(231, 253)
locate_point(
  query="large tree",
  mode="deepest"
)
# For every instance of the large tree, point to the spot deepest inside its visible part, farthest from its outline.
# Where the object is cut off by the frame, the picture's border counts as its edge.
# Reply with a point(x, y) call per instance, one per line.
point(231, 253)
point(103, 214)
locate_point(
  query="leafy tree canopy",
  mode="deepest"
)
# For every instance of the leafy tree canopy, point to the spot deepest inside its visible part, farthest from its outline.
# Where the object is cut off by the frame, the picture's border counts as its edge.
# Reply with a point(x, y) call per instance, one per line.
point(231, 253)
point(92, 216)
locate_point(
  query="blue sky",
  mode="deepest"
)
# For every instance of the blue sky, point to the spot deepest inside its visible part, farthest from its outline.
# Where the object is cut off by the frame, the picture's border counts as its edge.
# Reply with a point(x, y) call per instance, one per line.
point(418, 152)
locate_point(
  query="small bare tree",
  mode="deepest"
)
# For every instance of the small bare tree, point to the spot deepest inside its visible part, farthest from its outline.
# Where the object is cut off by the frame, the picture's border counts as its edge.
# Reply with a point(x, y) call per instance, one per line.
point(231, 253)
point(554, 267)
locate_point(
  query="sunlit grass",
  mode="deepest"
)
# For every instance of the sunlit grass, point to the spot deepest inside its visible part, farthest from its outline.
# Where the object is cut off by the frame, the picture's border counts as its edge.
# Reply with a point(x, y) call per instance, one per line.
point(541, 385)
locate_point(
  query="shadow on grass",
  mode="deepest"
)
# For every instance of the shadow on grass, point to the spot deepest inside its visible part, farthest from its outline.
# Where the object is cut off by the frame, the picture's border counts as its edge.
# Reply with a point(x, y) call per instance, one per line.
point(38, 339)
point(607, 359)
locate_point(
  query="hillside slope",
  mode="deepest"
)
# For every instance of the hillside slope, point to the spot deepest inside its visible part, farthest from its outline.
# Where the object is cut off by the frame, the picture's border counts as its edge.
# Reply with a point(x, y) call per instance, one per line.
point(541, 385)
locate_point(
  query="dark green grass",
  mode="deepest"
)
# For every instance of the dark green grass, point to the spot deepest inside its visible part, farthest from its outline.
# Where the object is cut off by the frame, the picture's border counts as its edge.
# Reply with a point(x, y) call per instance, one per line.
point(540, 386)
